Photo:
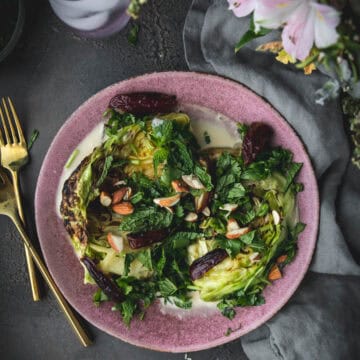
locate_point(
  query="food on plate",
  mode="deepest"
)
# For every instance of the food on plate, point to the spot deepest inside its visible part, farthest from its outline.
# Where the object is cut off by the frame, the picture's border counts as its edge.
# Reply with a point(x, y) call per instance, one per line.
point(152, 215)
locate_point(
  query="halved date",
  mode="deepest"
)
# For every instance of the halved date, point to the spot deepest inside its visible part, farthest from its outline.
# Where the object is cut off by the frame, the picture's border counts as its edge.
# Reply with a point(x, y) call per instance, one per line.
point(256, 140)
point(109, 288)
point(139, 240)
point(144, 103)
point(205, 263)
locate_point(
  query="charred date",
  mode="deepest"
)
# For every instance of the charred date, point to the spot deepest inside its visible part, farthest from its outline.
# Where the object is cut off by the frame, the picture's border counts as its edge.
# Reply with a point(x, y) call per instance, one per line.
point(202, 265)
point(144, 103)
point(105, 284)
point(139, 240)
point(255, 141)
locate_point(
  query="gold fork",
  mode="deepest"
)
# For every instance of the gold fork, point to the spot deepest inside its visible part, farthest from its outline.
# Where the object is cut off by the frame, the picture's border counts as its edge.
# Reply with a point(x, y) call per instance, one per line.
point(8, 207)
point(14, 155)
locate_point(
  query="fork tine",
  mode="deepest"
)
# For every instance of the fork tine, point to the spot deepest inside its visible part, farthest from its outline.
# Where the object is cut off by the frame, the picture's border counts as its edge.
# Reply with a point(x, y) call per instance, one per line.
point(17, 121)
point(4, 126)
point(14, 137)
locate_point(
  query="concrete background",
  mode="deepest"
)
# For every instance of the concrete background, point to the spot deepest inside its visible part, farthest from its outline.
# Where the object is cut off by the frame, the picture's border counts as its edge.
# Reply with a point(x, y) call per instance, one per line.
point(51, 72)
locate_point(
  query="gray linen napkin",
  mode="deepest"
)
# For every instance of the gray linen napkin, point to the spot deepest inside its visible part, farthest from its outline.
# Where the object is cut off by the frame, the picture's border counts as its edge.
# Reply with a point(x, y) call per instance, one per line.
point(322, 320)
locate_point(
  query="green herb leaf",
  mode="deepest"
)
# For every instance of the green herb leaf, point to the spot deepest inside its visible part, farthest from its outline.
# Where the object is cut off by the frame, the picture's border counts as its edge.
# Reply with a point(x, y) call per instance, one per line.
point(159, 157)
point(133, 34)
point(251, 34)
point(99, 297)
point(144, 219)
point(107, 165)
point(249, 237)
point(182, 239)
point(34, 135)
point(127, 309)
point(72, 157)
point(233, 247)
point(167, 287)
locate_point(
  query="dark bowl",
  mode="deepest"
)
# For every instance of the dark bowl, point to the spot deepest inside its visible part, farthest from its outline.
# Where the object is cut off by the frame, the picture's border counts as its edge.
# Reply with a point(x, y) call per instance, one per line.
point(15, 31)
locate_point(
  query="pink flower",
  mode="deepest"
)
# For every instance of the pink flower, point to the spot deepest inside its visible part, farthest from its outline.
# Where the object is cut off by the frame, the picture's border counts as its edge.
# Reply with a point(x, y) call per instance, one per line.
point(272, 14)
point(305, 22)
point(310, 22)
point(242, 7)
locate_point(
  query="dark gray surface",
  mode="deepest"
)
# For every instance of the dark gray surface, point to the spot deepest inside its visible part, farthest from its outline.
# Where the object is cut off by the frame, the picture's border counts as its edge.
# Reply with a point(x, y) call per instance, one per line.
point(49, 75)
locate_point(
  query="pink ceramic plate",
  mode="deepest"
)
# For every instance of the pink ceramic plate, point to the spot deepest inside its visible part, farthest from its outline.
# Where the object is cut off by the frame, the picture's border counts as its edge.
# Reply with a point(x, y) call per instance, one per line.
point(158, 331)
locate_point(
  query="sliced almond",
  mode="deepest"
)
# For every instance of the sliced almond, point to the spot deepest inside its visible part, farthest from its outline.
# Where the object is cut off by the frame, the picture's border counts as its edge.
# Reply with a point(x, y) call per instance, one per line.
point(169, 209)
point(193, 181)
point(167, 201)
point(201, 201)
point(120, 182)
point(123, 208)
point(275, 273)
point(206, 212)
point(128, 194)
point(116, 242)
point(105, 199)
point(254, 257)
point(229, 207)
point(232, 225)
point(235, 234)
point(276, 217)
point(118, 195)
point(191, 217)
point(179, 186)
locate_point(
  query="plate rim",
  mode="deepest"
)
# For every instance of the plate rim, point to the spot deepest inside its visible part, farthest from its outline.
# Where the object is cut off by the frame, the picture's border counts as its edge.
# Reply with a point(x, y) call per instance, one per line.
point(304, 269)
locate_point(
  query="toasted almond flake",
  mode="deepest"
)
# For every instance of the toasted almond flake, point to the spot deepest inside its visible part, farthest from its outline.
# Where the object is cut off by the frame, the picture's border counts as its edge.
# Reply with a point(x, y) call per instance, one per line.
point(128, 193)
point(179, 186)
point(167, 201)
point(232, 225)
point(276, 217)
point(201, 201)
point(191, 217)
point(229, 207)
point(118, 195)
point(193, 181)
point(274, 273)
point(169, 209)
point(235, 234)
point(123, 208)
point(120, 182)
point(105, 199)
point(255, 256)
point(116, 242)
point(206, 211)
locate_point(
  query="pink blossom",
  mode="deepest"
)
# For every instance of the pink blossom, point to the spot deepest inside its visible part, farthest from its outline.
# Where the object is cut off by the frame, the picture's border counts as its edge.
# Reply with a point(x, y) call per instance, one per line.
point(272, 14)
point(310, 22)
point(242, 7)
point(305, 22)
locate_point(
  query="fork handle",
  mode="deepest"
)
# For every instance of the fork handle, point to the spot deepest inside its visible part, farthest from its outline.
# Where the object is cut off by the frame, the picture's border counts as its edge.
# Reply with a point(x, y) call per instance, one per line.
point(29, 261)
point(74, 322)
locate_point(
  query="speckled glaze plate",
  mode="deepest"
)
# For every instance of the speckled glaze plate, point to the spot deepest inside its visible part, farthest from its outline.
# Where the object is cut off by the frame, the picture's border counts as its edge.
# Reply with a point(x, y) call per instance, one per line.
point(158, 331)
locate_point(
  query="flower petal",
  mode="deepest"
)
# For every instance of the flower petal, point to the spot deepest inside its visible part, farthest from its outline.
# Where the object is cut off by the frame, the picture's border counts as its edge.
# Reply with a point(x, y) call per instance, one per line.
point(325, 23)
point(272, 14)
point(298, 34)
point(242, 7)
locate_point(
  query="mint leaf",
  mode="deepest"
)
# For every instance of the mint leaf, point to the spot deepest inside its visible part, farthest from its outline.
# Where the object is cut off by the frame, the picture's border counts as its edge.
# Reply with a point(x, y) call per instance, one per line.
point(167, 287)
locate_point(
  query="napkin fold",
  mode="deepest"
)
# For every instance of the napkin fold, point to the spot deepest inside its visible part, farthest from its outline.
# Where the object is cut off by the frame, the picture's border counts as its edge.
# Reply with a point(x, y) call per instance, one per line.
point(322, 319)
